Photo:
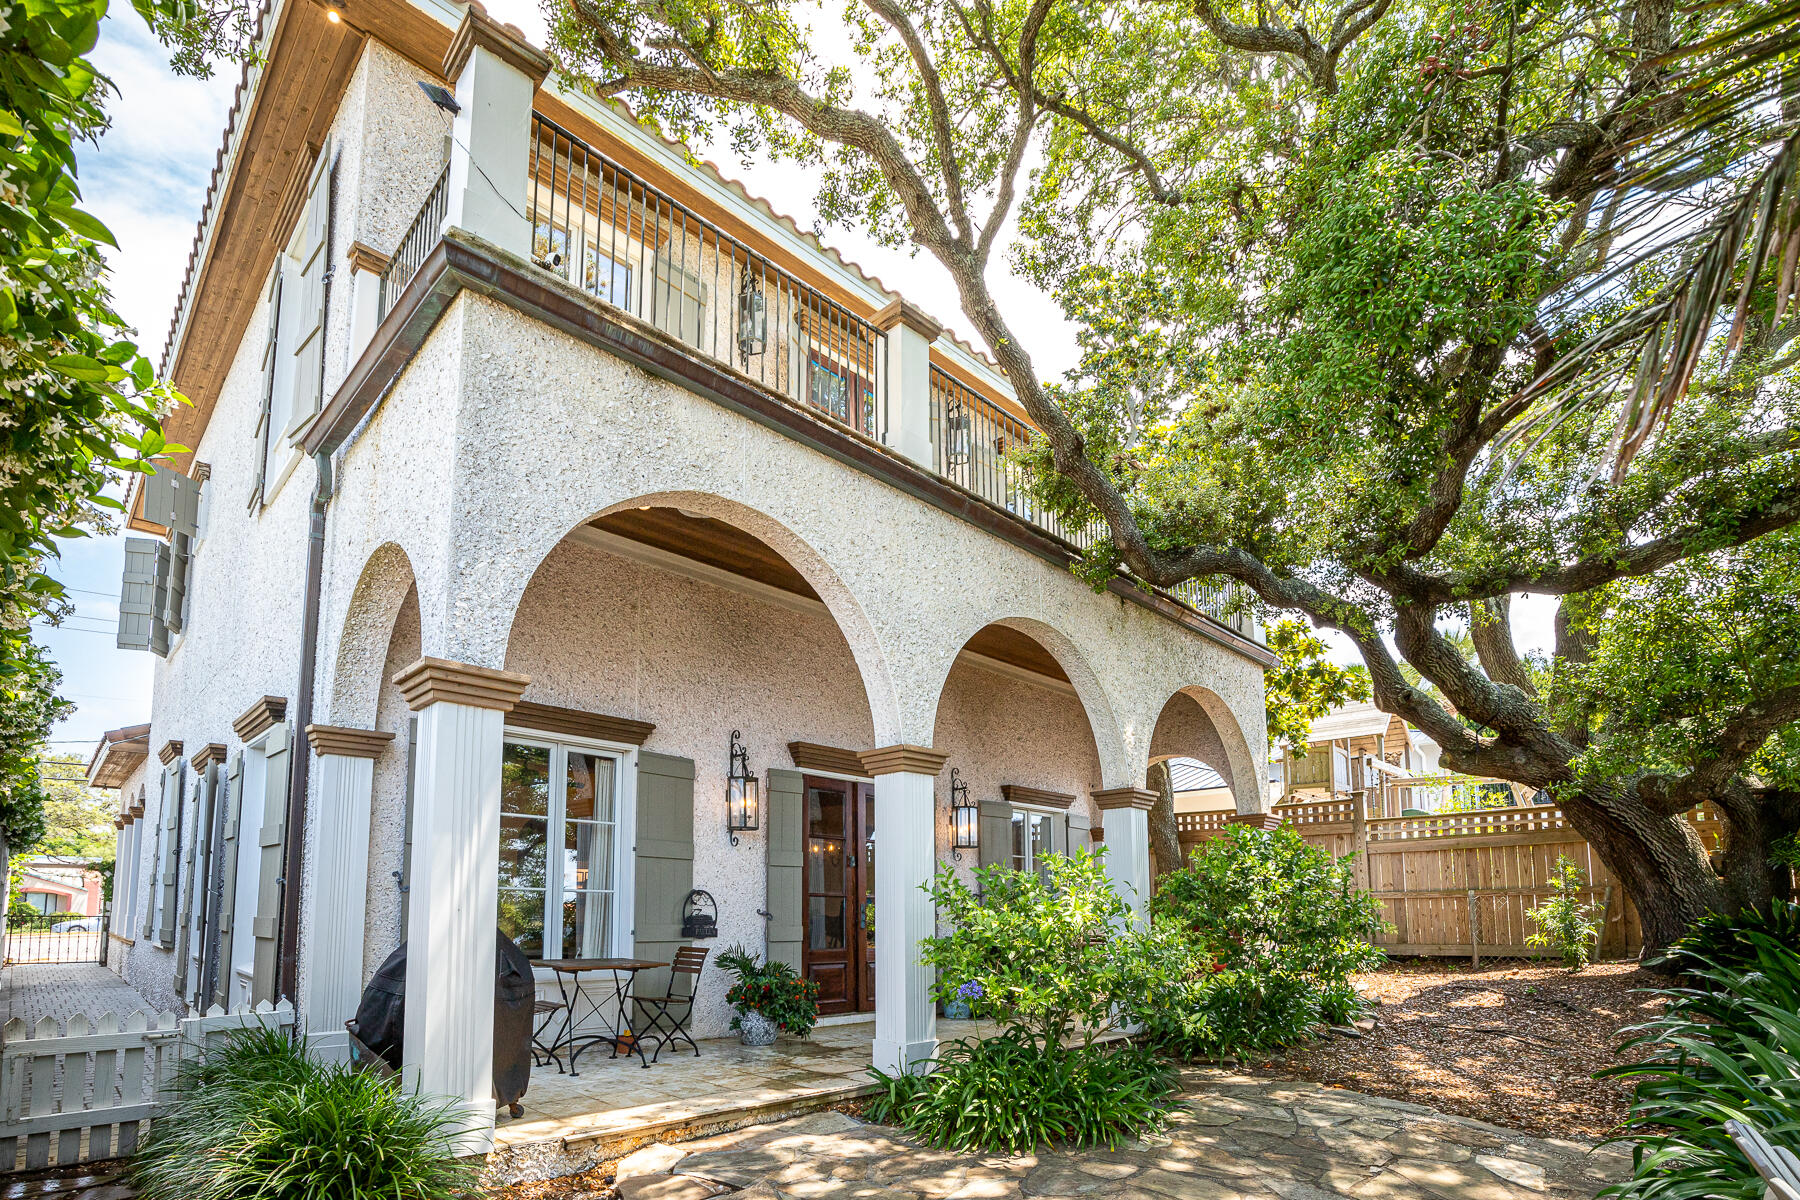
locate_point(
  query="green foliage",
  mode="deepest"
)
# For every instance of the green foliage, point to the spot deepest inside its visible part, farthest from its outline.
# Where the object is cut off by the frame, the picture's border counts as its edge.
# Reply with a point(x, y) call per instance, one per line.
point(1305, 685)
point(1564, 921)
point(29, 706)
point(772, 989)
point(1010, 1094)
point(1270, 931)
point(77, 818)
point(1727, 1049)
point(1731, 941)
point(257, 1117)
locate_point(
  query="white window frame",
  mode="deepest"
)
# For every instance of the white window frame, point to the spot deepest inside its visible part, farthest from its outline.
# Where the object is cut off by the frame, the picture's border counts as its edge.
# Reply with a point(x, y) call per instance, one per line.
point(624, 756)
point(1031, 813)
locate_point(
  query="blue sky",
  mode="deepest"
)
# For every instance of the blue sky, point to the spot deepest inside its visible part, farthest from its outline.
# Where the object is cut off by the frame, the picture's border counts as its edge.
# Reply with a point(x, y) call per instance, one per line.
point(147, 178)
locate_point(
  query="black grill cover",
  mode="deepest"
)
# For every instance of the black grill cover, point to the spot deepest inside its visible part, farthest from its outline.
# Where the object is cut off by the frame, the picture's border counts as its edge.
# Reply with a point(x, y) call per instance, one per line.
point(381, 1015)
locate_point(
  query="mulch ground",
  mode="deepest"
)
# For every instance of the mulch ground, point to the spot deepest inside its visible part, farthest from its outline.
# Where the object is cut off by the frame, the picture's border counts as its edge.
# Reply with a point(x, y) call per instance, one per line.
point(1510, 1043)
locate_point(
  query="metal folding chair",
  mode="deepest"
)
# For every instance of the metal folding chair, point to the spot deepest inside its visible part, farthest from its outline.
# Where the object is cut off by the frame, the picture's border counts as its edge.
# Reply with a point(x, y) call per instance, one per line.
point(666, 1017)
point(543, 1020)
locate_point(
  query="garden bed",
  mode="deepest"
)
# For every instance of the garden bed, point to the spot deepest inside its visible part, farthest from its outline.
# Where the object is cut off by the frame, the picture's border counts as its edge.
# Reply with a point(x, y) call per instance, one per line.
point(1511, 1043)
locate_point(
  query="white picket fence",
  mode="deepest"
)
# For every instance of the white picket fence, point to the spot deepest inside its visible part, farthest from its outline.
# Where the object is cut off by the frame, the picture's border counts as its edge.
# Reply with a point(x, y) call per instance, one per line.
point(82, 1094)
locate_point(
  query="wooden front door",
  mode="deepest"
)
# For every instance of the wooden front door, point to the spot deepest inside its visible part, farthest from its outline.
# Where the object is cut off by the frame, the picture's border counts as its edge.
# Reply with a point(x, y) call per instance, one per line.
point(838, 953)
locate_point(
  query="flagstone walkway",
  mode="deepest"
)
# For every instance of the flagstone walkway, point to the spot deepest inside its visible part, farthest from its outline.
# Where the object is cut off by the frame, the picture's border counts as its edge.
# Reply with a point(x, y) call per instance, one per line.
point(1233, 1138)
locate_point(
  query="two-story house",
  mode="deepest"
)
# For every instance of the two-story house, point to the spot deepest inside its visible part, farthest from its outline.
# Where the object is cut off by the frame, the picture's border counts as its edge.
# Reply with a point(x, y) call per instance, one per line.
point(565, 532)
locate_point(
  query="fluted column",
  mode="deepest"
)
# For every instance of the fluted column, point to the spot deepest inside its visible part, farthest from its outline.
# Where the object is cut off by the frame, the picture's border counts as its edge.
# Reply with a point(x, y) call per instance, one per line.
point(454, 879)
point(331, 971)
point(1125, 821)
point(905, 857)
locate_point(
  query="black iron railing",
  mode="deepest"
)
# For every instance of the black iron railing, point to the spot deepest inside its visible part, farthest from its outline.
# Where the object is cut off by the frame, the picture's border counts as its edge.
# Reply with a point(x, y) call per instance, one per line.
point(420, 237)
point(971, 441)
point(56, 937)
point(610, 233)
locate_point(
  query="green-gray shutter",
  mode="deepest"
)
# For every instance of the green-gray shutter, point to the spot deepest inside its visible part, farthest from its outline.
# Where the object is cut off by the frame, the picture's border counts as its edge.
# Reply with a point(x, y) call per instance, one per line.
point(664, 862)
point(172, 500)
point(996, 833)
point(786, 862)
point(174, 595)
point(216, 970)
point(174, 791)
point(264, 438)
point(137, 594)
point(1080, 832)
point(159, 602)
point(156, 845)
point(273, 841)
point(309, 341)
point(206, 789)
point(403, 876)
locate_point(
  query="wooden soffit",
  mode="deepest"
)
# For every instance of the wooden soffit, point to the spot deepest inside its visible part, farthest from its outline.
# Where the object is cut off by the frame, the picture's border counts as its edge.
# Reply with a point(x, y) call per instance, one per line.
point(810, 756)
point(1018, 793)
point(575, 722)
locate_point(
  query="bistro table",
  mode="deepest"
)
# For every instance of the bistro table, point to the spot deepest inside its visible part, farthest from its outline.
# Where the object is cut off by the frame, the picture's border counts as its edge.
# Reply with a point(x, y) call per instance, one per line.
point(616, 1029)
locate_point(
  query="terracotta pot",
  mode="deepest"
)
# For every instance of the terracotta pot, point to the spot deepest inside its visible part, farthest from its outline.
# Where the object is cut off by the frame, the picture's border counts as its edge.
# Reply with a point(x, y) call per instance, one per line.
point(754, 1029)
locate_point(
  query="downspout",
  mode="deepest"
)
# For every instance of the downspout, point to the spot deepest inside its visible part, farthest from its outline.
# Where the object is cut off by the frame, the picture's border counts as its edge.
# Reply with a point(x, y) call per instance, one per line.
point(289, 949)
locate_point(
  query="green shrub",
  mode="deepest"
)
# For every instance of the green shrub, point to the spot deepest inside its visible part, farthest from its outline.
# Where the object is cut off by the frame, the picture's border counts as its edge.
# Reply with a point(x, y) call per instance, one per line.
point(1010, 1094)
point(1563, 921)
point(1727, 1049)
point(1722, 940)
point(1270, 930)
point(771, 989)
point(255, 1117)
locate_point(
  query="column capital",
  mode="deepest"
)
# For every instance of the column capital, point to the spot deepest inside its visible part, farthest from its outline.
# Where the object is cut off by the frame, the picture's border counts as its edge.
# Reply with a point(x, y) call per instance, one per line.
point(346, 741)
point(1259, 820)
point(1124, 797)
point(891, 760)
point(901, 311)
point(170, 752)
point(212, 752)
point(365, 258)
point(260, 717)
point(505, 42)
point(440, 681)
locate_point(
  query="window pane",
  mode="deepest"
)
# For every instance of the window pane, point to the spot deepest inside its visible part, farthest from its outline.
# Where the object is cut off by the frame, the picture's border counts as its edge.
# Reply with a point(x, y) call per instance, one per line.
point(1018, 841)
point(587, 856)
point(525, 780)
point(587, 922)
point(826, 922)
point(522, 857)
point(590, 789)
point(522, 919)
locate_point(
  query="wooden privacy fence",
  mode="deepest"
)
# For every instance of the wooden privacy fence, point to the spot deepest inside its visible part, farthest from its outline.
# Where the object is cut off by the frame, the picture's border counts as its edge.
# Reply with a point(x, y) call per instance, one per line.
point(1460, 883)
point(83, 1094)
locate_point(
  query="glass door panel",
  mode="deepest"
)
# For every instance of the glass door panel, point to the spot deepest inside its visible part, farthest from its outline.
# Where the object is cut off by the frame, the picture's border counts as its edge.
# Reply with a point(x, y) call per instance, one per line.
point(830, 894)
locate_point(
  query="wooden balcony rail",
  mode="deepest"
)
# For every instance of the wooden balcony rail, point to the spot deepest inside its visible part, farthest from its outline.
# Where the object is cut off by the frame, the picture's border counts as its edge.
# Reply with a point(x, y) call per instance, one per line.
point(619, 239)
point(426, 228)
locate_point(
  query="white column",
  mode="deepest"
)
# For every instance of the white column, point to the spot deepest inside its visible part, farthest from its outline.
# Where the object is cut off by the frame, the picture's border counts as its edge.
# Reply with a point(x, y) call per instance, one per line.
point(1125, 822)
point(910, 332)
point(331, 979)
point(905, 857)
point(454, 879)
point(496, 73)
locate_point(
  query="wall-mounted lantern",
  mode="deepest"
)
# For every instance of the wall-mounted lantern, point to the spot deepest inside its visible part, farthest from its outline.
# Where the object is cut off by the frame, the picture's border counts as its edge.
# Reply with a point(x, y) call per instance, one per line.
point(965, 817)
point(956, 433)
point(752, 318)
point(742, 810)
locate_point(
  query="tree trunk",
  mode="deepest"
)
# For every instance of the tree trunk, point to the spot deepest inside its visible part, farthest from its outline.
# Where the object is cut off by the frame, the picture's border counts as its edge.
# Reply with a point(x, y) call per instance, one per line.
point(1165, 840)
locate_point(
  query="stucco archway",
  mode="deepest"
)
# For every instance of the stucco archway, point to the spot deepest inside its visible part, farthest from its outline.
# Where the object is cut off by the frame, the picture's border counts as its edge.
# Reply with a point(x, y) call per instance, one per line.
point(365, 635)
point(1195, 722)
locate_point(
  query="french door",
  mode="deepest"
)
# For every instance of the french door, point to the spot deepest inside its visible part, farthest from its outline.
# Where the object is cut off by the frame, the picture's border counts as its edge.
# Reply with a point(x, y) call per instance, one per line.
point(839, 950)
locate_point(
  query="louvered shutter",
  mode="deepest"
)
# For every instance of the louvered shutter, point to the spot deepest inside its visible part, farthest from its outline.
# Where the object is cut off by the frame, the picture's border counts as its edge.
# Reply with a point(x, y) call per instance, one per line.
point(272, 839)
point(664, 863)
point(174, 788)
point(222, 897)
point(172, 500)
point(269, 366)
point(137, 594)
point(309, 337)
point(786, 844)
point(996, 833)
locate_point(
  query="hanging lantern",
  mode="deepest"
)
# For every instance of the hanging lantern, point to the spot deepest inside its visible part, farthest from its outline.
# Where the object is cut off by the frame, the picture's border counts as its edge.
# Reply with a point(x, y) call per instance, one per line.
point(956, 434)
point(965, 817)
point(742, 811)
point(753, 318)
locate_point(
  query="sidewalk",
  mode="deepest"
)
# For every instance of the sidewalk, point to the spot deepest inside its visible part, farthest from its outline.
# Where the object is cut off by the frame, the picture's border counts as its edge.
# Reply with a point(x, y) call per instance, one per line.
point(32, 991)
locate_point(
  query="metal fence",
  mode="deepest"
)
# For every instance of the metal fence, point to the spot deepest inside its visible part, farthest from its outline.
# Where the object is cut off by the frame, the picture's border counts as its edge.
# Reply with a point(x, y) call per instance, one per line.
point(616, 237)
point(57, 937)
point(426, 228)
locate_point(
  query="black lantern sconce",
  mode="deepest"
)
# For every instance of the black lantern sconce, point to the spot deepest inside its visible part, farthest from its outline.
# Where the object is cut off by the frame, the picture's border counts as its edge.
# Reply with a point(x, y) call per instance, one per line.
point(965, 817)
point(957, 433)
point(752, 318)
point(742, 810)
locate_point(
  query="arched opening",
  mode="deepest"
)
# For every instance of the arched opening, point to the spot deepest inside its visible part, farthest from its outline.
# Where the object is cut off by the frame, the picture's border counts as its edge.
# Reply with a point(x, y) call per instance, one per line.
point(652, 634)
point(1198, 753)
point(1018, 732)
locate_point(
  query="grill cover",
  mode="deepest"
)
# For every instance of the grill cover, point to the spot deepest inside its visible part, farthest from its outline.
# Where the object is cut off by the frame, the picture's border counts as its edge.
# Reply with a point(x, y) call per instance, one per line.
point(381, 1016)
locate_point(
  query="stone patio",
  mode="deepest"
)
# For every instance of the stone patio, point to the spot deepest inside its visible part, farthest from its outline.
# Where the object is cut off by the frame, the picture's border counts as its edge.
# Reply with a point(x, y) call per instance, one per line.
point(1232, 1138)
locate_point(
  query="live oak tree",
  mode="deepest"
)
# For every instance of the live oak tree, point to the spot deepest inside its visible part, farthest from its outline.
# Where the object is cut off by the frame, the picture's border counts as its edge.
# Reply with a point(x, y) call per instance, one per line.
point(1390, 310)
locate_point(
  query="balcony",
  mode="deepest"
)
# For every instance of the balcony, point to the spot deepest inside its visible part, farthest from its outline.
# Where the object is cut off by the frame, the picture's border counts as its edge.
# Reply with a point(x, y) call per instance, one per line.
point(612, 234)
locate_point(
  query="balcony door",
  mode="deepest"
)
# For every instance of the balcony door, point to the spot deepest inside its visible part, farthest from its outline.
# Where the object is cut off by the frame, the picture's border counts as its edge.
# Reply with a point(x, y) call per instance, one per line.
point(838, 953)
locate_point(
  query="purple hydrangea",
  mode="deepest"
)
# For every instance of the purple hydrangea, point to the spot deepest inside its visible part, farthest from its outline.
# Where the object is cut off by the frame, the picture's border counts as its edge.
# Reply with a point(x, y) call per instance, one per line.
point(971, 991)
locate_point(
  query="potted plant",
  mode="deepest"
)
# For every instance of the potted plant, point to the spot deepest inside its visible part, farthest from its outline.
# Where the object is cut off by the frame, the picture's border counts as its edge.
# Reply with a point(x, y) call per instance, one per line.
point(768, 998)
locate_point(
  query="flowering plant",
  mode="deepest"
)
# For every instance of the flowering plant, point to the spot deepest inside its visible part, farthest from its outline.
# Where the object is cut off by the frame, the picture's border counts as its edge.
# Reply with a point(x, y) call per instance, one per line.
point(772, 989)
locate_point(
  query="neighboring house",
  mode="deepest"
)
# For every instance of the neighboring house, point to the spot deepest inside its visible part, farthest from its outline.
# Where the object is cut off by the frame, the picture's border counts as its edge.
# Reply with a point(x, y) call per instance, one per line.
point(59, 884)
point(1358, 749)
point(566, 531)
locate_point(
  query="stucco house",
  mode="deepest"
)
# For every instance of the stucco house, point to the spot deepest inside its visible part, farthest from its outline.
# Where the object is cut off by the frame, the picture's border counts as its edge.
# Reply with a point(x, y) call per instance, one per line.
point(548, 490)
